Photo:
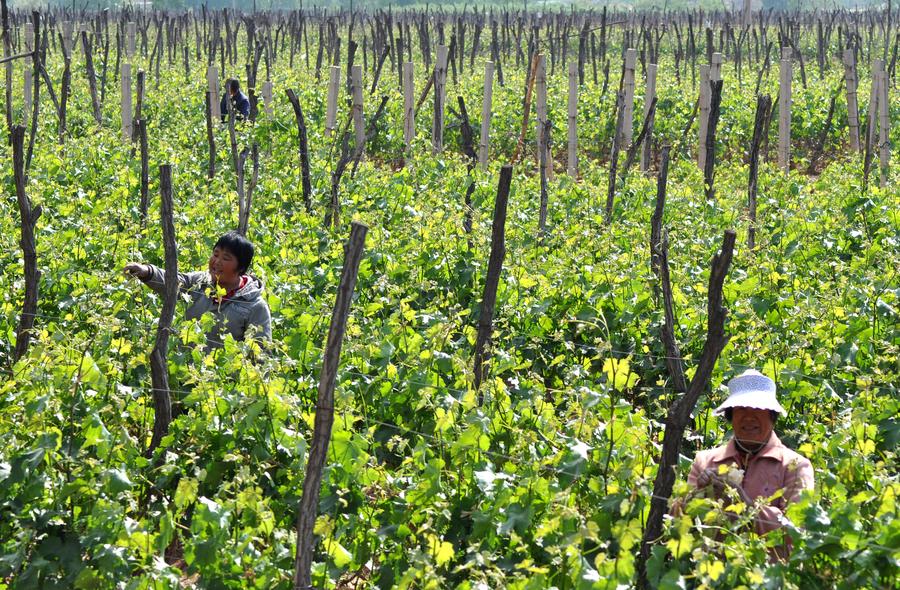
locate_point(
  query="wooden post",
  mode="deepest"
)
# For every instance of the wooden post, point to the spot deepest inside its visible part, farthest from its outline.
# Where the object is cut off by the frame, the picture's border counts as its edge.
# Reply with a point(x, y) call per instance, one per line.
point(159, 366)
point(540, 107)
point(852, 103)
point(572, 159)
point(318, 451)
point(884, 127)
point(409, 100)
point(68, 33)
point(212, 80)
point(628, 105)
point(267, 98)
point(440, 85)
point(125, 80)
point(356, 90)
point(649, 96)
point(129, 45)
point(210, 138)
point(495, 265)
point(334, 87)
point(703, 120)
point(747, 16)
point(715, 67)
point(486, 110)
point(679, 413)
point(784, 110)
point(28, 220)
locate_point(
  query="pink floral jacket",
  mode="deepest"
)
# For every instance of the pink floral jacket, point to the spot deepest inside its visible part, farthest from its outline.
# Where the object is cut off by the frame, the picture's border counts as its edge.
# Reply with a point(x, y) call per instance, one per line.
point(774, 468)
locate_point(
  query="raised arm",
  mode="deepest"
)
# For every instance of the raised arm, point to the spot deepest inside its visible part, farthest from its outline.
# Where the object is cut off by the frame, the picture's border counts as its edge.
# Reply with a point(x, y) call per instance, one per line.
point(155, 277)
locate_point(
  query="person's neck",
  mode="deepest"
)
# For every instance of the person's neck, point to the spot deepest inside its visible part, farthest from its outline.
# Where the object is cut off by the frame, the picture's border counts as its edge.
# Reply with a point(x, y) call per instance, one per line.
point(230, 285)
point(751, 447)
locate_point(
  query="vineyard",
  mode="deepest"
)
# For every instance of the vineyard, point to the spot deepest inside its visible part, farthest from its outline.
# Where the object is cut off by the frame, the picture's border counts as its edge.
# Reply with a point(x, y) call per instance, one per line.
point(512, 258)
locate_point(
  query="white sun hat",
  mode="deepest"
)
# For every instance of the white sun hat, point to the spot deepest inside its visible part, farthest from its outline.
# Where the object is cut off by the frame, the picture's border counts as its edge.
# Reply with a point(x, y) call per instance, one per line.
point(751, 389)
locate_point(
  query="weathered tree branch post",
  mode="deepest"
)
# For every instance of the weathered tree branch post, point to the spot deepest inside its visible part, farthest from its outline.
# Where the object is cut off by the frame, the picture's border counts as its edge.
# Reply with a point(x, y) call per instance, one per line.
point(495, 265)
point(29, 217)
point(304, 150)
point(359, 127)
point(91, 75)
point(709, 167)
point(763, 105)
point(312, 483)
point(140, 127)
point(159, 366)
point(679, 414)
point(614, 157)
point(649, 99)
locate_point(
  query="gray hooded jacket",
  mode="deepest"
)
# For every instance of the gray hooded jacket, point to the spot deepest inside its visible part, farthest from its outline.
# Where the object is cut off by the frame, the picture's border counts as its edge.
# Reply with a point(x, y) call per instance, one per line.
point(244, 309)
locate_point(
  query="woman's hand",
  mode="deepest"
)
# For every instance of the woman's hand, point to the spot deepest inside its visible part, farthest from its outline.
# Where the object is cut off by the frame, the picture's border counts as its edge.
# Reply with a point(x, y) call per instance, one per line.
point(710, 476)
point(136, 269)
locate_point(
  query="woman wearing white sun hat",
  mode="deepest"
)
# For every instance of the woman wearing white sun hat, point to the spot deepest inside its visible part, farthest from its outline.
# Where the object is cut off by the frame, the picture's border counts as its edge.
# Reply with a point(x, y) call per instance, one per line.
point(768, 466)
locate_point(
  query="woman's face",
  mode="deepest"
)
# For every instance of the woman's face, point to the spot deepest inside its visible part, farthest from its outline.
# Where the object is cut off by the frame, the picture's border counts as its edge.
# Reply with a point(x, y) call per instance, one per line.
point(223, 267)
point(751, 426)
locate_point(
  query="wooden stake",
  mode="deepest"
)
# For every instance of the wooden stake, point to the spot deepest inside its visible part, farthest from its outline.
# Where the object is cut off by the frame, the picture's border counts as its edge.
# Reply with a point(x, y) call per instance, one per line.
point(125, 81)
point(212, 80)
point(703, 120)
point(304, 150)
point(356, 90)
point(649, 97)
point(440, 84)
point(334, 86)
point(852, 104)
point(486, 110)
point(312, 483)
point(574, 76)
point(784, 110)
point(628, 105)
point(409, 98)
point(763, 105)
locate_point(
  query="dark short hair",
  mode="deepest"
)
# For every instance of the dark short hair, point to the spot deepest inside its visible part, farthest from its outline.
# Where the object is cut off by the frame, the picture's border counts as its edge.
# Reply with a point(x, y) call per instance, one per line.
point(729, 414)
point(239, 246)
point(233, 84)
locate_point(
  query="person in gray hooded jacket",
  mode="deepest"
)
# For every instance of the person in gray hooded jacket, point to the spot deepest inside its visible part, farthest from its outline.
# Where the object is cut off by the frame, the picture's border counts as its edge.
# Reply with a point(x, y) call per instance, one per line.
point(225, 290)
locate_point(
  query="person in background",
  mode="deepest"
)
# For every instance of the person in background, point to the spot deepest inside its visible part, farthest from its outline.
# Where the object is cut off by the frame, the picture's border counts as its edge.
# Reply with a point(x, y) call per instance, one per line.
point(239, 101)
point(224, 290)
point(756, 463)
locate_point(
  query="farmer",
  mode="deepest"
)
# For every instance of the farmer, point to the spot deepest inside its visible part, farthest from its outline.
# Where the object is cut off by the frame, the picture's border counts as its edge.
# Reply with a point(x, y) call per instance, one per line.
point(766, 465)
point(239, 101)
point(225, 290)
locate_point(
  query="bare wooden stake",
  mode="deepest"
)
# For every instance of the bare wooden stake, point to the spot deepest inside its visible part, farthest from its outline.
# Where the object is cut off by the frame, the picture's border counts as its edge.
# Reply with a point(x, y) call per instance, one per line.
point(245, 199)
point(127, 121)
point(334, 87)
point(486, 109)
point(409, 97)
point(850, 80)
point(784, 110)
point(210, 138)
point(709, 167)
point(703, 121)
point(495, 265)
point(312, 483)
point(440, 97)
point(576, 72)
point(359, 128)
point(140, 126)
point(159, 366)
point(212, 81)
point(91, 75)
point(649, 98)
